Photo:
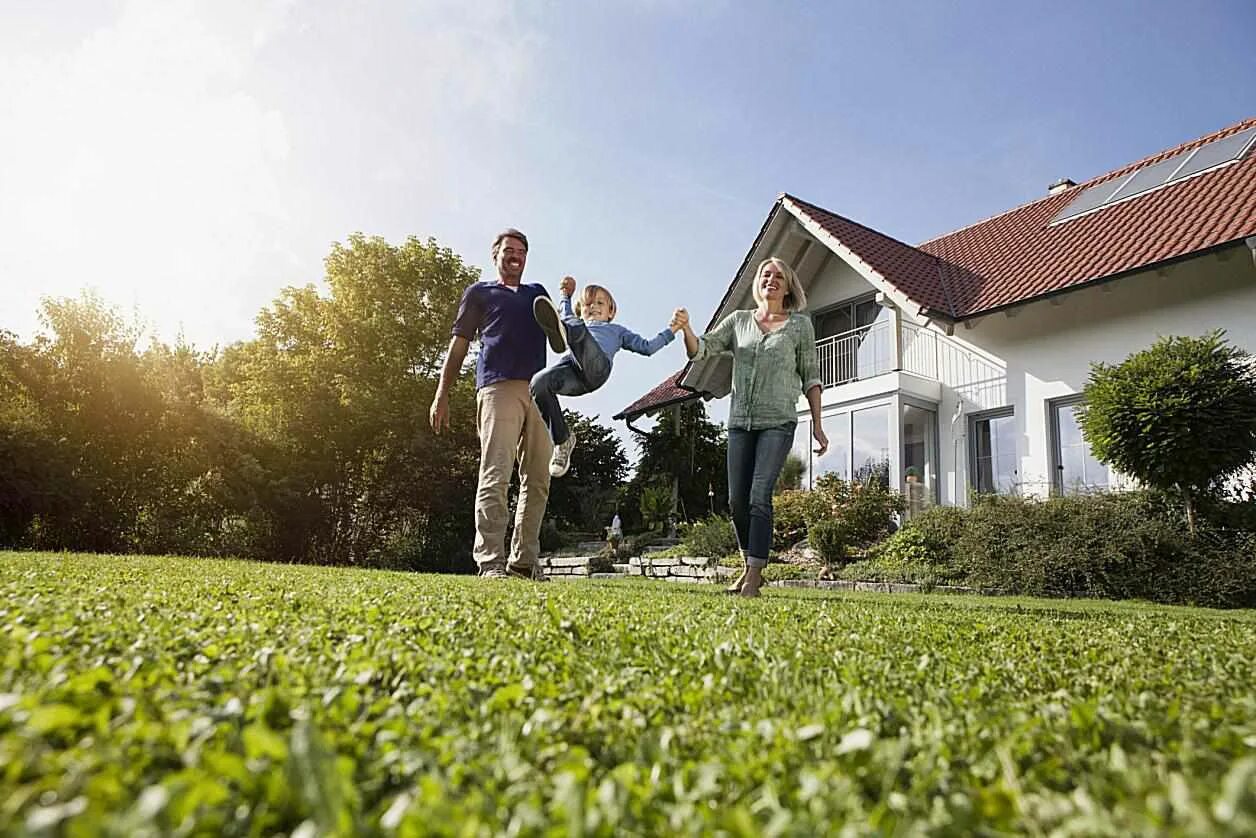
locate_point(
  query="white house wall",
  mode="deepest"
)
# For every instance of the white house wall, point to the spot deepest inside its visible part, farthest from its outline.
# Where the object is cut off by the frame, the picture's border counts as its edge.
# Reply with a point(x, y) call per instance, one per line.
point(836, 281)
point(1047, 350)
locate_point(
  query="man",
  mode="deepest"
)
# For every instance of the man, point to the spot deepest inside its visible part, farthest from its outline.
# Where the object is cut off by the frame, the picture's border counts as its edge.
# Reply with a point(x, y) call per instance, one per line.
point(512, 350)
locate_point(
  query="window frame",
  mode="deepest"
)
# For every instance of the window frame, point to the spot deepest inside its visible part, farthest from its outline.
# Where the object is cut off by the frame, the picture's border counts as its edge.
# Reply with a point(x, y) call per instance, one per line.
point(1055, 459)
point(973, 419)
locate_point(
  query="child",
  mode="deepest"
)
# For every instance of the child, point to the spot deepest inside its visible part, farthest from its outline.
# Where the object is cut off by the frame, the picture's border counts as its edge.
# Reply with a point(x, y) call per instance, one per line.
point(594, 340)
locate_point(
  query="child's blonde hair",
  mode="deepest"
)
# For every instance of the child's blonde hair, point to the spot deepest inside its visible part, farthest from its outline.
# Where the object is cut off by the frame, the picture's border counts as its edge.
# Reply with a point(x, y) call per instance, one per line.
point(587, 295)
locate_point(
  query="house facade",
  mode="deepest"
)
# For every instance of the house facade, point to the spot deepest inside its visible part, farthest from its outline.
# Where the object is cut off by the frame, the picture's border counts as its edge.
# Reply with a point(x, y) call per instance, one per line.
point(955, 366)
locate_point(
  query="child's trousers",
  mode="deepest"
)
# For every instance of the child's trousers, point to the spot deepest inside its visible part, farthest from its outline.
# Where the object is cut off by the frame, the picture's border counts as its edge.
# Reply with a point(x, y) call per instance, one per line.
point(584, 372)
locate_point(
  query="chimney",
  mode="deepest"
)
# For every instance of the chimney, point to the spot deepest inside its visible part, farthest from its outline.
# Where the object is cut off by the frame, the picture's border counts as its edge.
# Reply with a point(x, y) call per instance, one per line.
point(1060, 185)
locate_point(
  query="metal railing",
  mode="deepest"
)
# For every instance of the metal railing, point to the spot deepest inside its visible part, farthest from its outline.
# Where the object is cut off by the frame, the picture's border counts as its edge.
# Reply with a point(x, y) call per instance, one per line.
point(860, 353)
point(869, 351)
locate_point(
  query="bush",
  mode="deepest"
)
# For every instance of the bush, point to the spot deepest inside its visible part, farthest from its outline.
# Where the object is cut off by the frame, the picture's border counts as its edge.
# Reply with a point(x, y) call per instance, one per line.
point(866, 510)
point(551, 539)
point(1125, 545)
point(791, 510)
point(830, 539)
point(712, 537)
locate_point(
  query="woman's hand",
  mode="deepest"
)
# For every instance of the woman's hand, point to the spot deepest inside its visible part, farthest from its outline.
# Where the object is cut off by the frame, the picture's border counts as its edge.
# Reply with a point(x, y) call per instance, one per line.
point(821, 439)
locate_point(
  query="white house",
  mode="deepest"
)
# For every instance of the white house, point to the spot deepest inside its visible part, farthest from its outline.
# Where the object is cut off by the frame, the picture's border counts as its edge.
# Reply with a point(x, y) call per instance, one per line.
point(954, 366)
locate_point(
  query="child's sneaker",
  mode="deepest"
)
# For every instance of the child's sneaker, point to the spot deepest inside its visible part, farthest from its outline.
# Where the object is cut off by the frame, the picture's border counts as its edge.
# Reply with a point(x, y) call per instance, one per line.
point(551, 322)
point(561, 459)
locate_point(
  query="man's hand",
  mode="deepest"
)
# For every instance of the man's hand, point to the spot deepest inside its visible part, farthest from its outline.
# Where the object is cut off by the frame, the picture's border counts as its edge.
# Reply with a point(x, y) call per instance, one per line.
point(680, 319)
point(567, 287)
point(821, 439)
point(439, 412)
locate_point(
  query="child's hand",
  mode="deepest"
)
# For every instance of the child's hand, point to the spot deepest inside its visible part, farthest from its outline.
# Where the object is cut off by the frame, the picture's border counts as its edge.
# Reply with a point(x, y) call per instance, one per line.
point(567, 287)
point(680, 320)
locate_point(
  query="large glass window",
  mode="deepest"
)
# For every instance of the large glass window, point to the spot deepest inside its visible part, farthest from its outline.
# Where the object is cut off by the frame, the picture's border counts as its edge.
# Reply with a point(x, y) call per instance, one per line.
point(837, 459)
point(1076, 469)
point(870, 446)
point(802, 450)
point(920, 428)
point(993, 445)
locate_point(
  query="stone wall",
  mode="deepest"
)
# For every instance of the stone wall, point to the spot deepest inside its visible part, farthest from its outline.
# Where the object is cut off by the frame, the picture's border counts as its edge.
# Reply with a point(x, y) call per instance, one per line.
point(671, 569)
point(566, 567)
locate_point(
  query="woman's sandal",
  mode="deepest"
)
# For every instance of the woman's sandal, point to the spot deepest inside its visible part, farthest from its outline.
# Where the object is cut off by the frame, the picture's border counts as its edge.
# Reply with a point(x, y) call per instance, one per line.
point(735, 588)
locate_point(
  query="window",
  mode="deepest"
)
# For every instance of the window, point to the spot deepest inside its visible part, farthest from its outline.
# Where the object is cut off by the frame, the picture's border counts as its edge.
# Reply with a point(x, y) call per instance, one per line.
point(992, 443)
point(1075, 469)
point(920, 427)
point(870, 445)
point(837, 459)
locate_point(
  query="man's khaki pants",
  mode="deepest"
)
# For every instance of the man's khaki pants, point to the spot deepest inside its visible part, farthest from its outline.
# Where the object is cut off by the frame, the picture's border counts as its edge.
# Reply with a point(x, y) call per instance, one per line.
point(510, 429)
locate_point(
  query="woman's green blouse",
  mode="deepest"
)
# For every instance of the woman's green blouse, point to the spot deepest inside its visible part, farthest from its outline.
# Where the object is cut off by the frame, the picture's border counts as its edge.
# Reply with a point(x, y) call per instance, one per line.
point(770, 371)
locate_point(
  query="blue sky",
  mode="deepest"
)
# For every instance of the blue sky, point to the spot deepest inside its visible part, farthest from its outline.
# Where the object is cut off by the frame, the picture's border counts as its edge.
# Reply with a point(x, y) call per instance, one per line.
point(187, 160)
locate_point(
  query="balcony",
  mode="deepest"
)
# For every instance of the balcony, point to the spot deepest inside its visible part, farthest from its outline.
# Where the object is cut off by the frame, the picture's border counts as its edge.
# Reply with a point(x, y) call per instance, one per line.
point(892, 345)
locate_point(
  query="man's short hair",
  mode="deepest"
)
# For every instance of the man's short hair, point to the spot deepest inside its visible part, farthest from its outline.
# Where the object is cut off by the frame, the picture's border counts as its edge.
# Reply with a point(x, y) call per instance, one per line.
point(509, 233)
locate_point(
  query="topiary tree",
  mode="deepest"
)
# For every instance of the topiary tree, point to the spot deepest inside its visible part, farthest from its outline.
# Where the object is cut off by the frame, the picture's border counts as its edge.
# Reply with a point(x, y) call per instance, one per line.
point(1180, 416)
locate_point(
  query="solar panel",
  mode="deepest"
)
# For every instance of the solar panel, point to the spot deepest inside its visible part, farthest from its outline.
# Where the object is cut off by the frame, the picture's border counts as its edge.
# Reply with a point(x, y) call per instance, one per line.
point(1216, 153)
point(1150, 177)
point(1091, 197)
point(1159, 174)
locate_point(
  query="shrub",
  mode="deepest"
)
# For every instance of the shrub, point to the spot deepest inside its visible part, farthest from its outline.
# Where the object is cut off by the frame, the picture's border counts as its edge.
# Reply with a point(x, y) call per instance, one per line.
point(712, 537)
point(830, 539)
point(791, 510)
point(1179, 416)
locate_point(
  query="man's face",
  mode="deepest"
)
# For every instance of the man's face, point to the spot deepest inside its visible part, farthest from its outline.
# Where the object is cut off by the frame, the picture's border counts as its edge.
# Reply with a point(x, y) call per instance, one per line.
point(597, 308)
point(512, 255)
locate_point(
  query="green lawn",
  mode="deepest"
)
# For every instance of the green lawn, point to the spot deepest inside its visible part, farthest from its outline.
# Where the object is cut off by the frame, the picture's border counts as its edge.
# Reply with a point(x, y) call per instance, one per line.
point(210, 697)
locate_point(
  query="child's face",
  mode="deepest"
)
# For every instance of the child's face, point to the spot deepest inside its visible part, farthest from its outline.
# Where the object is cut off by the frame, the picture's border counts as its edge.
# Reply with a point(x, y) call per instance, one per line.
point(597, 308)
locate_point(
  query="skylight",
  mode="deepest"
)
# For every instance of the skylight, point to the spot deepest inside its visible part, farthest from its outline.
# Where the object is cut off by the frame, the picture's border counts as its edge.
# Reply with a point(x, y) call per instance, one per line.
point(1178, 167)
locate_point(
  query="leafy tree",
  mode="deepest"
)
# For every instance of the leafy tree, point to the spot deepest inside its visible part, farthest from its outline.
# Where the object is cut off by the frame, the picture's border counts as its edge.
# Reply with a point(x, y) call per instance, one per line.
point(340, 384)
point(687, 449)
point(584, 499)
point(1179, 416)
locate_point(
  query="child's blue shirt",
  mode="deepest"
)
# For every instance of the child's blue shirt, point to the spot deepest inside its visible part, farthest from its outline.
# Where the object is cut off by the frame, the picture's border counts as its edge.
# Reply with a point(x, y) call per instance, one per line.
point(612, 337)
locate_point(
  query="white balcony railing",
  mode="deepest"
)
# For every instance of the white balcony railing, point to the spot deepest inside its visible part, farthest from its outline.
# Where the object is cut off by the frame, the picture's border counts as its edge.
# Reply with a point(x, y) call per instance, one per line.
point(871, 351)
point(860, 353)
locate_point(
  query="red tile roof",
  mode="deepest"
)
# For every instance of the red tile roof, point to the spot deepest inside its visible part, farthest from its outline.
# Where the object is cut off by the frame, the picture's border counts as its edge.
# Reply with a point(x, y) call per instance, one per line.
point(914, 272)
point(1016, 256)
point(667, 393)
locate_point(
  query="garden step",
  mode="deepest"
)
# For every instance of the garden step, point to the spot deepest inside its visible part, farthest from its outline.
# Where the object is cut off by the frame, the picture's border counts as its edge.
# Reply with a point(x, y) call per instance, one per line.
point(590, 547)
point(621, 568)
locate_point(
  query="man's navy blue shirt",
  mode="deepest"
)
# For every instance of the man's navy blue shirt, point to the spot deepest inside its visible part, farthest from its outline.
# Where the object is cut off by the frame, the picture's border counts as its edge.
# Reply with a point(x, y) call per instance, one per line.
point(512, 345)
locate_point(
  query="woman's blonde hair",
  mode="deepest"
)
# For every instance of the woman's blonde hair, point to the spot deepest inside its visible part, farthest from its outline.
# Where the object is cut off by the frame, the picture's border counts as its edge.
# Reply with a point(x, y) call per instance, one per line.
point(588, 293)
point(795, 297)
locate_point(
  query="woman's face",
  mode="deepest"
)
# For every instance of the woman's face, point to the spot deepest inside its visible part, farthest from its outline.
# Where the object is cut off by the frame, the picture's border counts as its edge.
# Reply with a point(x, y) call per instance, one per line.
point(772, 283)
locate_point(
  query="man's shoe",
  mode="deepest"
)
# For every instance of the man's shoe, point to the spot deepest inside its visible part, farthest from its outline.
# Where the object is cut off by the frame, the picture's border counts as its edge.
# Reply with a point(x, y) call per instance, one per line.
point(494, 573)
point(532, 573)
point(561, 459)
point(551, 322)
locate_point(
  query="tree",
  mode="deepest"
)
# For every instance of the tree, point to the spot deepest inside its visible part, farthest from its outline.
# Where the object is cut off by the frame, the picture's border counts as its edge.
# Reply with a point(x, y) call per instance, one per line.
point(341, 383)
point(686, 450)
point(1180, 416)
point(584, 498)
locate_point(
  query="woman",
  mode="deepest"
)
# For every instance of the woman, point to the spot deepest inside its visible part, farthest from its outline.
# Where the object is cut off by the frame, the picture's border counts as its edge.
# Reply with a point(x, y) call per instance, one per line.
point(774, 361)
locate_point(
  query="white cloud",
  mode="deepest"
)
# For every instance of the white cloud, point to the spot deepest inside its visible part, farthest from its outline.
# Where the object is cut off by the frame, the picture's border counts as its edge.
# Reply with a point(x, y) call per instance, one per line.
point(156, 159)
point(141, 165)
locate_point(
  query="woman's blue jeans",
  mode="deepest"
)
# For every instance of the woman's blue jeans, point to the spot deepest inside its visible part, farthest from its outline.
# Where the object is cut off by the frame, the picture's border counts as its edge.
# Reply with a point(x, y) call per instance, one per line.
point(755, 459)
